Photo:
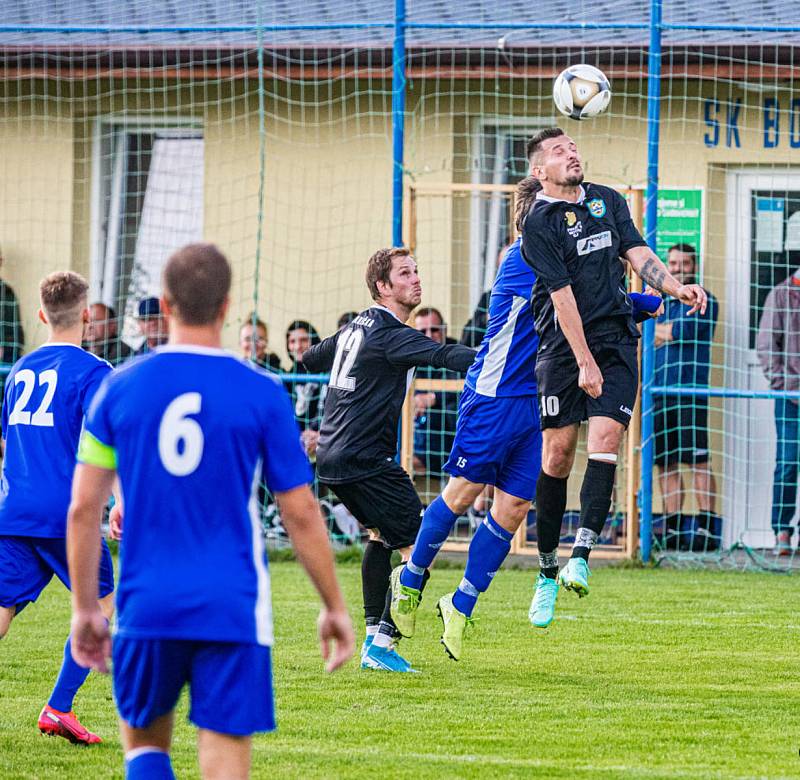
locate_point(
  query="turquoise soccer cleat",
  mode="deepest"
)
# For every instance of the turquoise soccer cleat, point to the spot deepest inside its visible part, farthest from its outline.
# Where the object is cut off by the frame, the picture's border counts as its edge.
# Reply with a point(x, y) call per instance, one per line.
point(367, 644)
point(575, 576)
point(543, 605)
point(385, 659)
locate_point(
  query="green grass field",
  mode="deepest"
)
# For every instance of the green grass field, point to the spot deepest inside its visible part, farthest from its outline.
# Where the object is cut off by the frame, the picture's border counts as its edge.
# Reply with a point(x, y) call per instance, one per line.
point(658, 674)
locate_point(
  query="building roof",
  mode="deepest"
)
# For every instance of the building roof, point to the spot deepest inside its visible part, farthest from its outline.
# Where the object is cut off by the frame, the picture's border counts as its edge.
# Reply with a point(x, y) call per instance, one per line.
point(231, 24)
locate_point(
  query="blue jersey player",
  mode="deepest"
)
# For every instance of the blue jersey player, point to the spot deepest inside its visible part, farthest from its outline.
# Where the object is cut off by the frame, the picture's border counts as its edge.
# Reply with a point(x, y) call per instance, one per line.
point(47, 395)
point(191, 430)
point(498, 442)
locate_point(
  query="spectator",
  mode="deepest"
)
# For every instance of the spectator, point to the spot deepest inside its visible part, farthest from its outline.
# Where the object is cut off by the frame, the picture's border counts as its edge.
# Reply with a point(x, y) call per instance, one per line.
point(683, 359)
point(152, 325)
point(474, 330)
point(346, 319)
point(307, 397)
point(434, 412)
point(101, 337)
point(778, 348)
point(255, 348)
point(12, 338)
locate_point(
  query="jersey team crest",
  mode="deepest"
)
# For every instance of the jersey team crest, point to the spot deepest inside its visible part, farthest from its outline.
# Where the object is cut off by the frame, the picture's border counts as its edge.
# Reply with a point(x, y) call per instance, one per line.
point(597, 207)
point(570, 218)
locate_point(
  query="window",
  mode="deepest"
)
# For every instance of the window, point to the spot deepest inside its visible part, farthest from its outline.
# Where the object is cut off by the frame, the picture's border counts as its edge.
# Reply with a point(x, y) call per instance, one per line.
point(147, 202)
point(775, 247)
point(498, 158)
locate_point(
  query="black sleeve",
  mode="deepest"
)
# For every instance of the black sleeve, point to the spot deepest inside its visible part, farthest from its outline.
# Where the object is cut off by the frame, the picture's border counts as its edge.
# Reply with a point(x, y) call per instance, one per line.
point(543, 251)
point(629, 235)
point(406, 347)
point(319, 358)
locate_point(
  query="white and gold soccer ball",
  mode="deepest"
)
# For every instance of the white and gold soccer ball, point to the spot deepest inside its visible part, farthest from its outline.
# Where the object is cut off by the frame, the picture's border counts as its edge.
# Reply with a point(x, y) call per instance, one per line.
point(581, 91)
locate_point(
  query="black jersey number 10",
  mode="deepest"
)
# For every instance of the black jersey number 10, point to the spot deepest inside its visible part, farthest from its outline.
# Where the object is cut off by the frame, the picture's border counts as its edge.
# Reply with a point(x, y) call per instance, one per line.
point(347, 347)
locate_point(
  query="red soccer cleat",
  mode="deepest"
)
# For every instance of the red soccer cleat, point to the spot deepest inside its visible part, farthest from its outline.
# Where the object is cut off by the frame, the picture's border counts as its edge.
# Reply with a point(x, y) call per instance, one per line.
point(65, 724)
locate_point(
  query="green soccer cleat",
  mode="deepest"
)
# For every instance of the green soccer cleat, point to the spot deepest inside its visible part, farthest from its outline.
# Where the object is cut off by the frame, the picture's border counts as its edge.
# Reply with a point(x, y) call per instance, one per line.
point(543, 605)
point(575, 576)
point(454, 625)
point(405, 602)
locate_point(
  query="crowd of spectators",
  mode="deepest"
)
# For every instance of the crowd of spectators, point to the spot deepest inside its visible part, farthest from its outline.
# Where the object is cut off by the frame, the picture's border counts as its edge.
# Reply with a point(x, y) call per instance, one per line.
point(682, 359)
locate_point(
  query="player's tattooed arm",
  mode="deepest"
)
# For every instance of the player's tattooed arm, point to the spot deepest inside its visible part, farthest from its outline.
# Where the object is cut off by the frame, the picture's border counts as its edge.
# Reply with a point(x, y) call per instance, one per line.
point(647, 264)
point(653, 273)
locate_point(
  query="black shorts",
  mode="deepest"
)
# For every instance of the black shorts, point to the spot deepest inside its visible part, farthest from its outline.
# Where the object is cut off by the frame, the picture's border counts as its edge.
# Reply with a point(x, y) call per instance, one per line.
point(562, 402)
point(680, 428)
point(385, 501)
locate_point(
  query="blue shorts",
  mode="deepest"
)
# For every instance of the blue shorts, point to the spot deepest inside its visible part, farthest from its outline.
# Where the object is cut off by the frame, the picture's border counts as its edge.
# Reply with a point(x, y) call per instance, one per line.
point(28, 563)
point(498, 442)
point(230, 684)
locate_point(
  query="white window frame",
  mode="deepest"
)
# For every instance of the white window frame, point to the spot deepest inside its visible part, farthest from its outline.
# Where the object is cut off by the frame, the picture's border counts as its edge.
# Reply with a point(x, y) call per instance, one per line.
point(482, 272)
point(102, 276)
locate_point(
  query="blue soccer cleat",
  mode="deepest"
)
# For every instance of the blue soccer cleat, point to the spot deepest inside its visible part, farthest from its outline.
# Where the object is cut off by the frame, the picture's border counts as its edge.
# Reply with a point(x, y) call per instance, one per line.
point(543, 605)
point(575, 576)
point(385, 659)
point(367, 644)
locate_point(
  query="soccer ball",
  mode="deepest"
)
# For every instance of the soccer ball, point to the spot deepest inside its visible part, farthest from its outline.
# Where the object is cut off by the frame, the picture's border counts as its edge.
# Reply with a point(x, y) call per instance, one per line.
point(581, 92)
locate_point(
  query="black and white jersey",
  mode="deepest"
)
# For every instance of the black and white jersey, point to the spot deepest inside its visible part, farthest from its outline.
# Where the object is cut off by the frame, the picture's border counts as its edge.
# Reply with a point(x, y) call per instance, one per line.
point(580, 244)
point(371, 364)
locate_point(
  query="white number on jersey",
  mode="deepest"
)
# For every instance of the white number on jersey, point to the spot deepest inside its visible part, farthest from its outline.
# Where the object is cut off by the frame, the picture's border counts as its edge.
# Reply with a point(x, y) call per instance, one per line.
point(550, 405)
point(180, 439)
point(42, 416)
point(347, 346)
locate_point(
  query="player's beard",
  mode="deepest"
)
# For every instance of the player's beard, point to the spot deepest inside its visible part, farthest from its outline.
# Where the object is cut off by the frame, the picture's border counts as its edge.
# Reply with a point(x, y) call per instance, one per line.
point(573, 180)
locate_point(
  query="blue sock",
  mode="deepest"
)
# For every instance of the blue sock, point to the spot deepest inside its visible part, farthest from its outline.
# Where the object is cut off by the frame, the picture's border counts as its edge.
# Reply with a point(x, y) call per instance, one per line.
point(487, 551)
point(437, 522)
point(70, 678)
point(148, 764)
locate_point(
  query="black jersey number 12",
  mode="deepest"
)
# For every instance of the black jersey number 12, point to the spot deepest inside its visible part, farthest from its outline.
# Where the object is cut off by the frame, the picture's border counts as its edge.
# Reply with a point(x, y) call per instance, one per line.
point(347, 347)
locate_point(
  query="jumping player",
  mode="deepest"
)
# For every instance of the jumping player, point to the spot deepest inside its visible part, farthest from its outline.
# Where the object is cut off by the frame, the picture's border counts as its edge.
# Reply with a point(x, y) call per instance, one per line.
point(47, 395)
point(498, 442)
point(587, 368)
point(190, 429)
point(371, 364)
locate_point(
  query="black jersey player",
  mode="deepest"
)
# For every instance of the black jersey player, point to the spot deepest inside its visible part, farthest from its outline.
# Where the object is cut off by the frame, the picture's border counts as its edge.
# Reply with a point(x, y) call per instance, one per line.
point(574, 236)
point(371, 364)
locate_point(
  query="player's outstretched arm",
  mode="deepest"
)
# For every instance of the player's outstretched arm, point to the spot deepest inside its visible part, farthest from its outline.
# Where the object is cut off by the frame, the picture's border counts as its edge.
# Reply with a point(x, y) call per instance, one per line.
point(91, 641)
point(590, 378)
point(652, 271)
point(320, 356)
point(303, 521)
point(406, 347)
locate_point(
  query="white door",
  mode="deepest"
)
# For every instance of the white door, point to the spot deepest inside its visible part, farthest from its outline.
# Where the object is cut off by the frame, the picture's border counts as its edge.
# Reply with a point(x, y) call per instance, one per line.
point(761, 252)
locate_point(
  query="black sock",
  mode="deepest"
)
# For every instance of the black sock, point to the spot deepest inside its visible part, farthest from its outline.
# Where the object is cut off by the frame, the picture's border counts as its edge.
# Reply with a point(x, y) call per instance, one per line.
point(672, 529)
point(551, 501)
point(709, 526)
point(598, 484)
point(376, 568)
point(386, 615)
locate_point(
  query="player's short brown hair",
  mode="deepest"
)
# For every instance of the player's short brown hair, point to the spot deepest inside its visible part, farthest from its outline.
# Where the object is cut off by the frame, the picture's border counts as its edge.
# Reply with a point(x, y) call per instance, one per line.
point(64, 297)
point(526, 193)
point(197, 280)
point(535, 144)
point(379, 267)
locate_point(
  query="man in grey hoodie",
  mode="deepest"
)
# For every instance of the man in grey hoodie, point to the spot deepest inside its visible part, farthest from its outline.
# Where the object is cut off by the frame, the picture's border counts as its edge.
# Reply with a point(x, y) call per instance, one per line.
point(778, 347)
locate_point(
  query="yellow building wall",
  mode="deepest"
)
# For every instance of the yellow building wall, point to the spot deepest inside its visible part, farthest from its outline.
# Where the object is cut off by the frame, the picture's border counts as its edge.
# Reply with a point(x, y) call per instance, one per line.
point(327, 185)
point(36, 222)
